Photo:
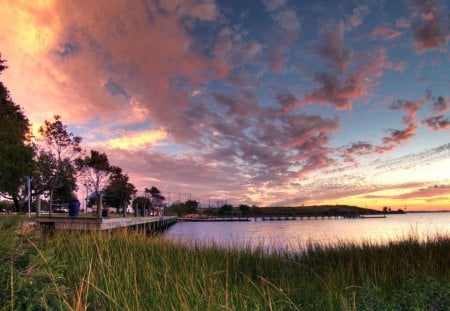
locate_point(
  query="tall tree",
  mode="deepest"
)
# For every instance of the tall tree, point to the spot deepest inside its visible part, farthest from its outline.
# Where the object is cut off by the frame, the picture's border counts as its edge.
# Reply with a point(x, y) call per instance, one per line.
point(16, 151)
point(157, 198)
point(188, 207)
point(95, 170)
point(58, 149)
point(119, 191)
point(59, 141)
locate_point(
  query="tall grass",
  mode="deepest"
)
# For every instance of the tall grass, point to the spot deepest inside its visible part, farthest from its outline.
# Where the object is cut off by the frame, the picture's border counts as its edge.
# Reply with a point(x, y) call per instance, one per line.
point(129, 271)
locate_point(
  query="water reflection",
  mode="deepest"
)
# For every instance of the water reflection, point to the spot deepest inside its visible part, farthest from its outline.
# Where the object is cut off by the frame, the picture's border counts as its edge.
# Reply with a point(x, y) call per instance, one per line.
point(297, 234)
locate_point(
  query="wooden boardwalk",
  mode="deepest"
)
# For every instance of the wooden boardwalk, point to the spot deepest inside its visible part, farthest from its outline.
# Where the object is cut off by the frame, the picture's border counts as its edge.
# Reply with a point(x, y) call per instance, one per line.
point(150, 224)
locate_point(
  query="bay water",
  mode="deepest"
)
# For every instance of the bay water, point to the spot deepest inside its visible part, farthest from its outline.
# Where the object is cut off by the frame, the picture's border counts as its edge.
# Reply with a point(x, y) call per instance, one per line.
point(295, 235)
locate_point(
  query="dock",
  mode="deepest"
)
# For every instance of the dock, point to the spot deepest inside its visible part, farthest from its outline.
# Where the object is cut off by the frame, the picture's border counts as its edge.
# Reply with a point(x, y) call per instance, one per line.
point(207, 219)
point(278, 218)
point(147, 224)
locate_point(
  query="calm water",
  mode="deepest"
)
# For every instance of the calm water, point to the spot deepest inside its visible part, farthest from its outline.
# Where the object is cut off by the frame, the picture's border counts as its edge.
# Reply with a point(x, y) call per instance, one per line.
point(296, 234)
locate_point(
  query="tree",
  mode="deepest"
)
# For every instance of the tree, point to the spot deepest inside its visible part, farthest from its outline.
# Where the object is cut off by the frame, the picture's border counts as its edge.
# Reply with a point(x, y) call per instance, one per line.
point(95, 170)
point(16, 151)
point(58, 149)
point(188, 207)
point(157, 198)
point(226, 209)
point(244, 209)
point(119, 191)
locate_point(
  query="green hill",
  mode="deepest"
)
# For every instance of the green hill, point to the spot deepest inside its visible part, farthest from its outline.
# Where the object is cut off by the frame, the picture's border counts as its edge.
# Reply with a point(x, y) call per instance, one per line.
point(313, 210)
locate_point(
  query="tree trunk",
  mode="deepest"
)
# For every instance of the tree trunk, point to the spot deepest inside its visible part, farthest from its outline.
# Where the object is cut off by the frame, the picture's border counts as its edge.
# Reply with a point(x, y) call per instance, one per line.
point(50, 203)
point(38, 204)
point(16, 202)
point(124, 209)
point(99, 206)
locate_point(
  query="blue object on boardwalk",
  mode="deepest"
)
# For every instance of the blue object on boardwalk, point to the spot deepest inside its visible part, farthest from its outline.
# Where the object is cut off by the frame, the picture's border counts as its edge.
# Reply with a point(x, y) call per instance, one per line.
point(74, 207)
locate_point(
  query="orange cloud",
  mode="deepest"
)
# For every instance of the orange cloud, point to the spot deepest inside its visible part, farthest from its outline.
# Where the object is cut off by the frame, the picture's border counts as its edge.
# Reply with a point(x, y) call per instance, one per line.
point(63, 53)
point(436, 190)
point(136, 140)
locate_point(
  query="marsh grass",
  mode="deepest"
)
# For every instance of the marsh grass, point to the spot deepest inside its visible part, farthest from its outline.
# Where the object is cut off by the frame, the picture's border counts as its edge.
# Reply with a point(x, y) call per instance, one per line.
point(129, 271)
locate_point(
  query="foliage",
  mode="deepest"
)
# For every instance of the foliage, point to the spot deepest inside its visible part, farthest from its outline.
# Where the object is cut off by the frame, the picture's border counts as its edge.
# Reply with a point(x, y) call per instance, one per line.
point(16, 151)
point(226, 209)
point(244, 209)
point(6, 206)
point(95, 171)
point(119, 191)
point(157, 198)
point(188, 207)
point(54, 169)
point(29, 279)
point(59, 141)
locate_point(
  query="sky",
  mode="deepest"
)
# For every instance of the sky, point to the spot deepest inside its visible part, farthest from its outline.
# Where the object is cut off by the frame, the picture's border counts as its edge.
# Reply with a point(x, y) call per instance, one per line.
point(266, 102)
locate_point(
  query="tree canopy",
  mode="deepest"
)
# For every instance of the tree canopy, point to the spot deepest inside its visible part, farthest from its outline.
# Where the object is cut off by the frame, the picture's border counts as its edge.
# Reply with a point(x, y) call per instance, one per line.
point(95, 171)
point(16, 151)
point(54, 169)
point(157, 198)
point(119, 191)
point(188, 207)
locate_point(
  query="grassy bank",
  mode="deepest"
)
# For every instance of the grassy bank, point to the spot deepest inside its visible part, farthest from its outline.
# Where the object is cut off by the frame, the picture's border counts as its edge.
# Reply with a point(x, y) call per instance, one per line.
point(127, 271)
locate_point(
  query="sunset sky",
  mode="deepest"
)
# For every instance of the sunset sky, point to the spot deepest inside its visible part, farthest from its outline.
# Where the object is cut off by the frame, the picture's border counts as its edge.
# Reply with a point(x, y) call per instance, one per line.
point(267, 102)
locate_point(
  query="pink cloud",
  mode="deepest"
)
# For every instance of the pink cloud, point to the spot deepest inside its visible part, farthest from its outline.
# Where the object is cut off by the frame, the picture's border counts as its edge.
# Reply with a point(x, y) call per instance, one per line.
point(273, 5)
point(350, 76)
point(358, 149)
point(429, 29)
point(436, 190)
point(314, 163)
point(333, 49)
point(397, 137)
point(358, 15)
point(286, 99)
point(410, 108)
point(204, 10)
point(232, 48)
point(179, 173)
point(236, 105)
point(402, 23)
point(385, 33)
point(441, 105)
point(288, 20)
point(277, 58)
point(437, 123)
point(399, 66)
point(112, 42)
point(341, 89)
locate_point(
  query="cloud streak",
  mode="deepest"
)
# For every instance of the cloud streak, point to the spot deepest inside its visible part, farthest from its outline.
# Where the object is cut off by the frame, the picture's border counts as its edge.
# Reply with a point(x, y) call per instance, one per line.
point(436, 190)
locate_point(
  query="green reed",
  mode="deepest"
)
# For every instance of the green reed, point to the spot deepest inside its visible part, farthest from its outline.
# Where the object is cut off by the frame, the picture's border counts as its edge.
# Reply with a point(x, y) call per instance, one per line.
point(125, 270)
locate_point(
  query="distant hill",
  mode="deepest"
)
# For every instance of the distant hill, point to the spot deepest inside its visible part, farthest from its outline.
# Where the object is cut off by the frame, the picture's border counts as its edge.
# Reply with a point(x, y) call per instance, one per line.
point(314, 210)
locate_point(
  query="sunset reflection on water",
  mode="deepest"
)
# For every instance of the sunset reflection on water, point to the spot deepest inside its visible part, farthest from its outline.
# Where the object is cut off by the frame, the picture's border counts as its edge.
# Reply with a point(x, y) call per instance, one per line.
point(298, 234)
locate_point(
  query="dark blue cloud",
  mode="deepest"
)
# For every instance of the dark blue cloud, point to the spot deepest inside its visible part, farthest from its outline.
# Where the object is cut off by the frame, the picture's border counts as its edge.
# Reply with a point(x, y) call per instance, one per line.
point(115, 89)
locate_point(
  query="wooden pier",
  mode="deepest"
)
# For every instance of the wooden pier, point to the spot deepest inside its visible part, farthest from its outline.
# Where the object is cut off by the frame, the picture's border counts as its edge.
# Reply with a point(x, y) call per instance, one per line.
point(148, 224)
point(279, 218)
point(207, 219)
point(309, 217)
